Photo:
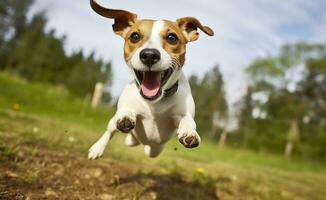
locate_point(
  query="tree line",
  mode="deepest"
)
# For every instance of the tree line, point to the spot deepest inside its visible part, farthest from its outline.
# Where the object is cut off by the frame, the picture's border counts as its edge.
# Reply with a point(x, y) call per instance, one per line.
point(27, 49)
point(283, 110)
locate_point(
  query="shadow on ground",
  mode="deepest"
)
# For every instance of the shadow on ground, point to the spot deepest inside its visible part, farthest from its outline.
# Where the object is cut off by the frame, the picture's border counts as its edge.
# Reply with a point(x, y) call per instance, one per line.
point(165, 186)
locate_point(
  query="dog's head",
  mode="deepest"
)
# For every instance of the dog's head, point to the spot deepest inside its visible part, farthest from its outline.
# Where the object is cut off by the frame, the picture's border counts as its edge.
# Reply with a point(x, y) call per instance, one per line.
point(154, 49)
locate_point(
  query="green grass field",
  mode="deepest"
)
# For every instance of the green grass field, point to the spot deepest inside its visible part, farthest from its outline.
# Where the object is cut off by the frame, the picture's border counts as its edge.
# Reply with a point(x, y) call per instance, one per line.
point(42, 119)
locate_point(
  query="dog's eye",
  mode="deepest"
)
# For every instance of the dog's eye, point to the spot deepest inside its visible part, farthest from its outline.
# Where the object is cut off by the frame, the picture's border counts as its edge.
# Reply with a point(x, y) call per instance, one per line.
point(135, 37)
point(172, 38)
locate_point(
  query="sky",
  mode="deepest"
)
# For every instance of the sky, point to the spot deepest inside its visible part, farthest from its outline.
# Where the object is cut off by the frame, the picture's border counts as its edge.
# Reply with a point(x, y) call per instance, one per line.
point(244, 30)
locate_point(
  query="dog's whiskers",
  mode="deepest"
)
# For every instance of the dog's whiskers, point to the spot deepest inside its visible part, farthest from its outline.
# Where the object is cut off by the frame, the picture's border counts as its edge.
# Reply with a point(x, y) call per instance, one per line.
point(175, 64)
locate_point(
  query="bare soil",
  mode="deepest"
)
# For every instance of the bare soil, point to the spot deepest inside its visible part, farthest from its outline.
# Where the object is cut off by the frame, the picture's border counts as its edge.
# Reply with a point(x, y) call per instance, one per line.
point(34, 171)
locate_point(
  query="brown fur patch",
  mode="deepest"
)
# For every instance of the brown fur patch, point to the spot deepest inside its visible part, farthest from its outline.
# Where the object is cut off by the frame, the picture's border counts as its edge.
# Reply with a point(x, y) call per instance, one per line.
point(176, 51)
point(144, 28)
point(189, 26)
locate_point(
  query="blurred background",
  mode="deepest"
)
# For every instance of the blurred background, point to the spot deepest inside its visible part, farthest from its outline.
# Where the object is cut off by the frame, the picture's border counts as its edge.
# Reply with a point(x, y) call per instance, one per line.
point(259, 85)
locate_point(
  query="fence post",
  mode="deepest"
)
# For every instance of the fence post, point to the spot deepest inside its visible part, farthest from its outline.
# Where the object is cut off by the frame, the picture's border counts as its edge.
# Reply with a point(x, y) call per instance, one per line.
point(97, 95)
point(293, 137)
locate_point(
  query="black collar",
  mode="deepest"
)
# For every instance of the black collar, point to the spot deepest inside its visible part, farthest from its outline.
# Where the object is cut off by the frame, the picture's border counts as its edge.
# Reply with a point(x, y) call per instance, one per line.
point(168, 92)
point(171, 91)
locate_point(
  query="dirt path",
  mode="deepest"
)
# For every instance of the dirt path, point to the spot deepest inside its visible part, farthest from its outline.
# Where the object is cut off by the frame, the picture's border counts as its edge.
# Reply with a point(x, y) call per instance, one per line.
point(35, 172)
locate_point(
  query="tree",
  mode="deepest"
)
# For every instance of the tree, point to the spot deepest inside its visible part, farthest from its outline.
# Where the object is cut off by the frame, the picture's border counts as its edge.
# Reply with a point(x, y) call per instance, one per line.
point(86, 72)
point(210, 98)
point(13, 20)
point(313, 92)
point(39, 55)
point(279, 103)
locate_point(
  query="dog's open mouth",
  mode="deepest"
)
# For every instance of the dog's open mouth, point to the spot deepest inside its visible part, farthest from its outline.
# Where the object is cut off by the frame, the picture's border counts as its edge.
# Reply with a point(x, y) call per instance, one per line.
point(151, 82)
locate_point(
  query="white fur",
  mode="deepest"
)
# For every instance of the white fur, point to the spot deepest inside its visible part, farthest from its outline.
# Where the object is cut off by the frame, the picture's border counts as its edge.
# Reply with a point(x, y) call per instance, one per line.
point(156, 120)
point(131, 141)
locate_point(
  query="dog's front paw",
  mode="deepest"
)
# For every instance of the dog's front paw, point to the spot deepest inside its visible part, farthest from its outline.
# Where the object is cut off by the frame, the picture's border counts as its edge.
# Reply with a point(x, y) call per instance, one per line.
point(189, 139)
point(96, 151)
point(125, 124)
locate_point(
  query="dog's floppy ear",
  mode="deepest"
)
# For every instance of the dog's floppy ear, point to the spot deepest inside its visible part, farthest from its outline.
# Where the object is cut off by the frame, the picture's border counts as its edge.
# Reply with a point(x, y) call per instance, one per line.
point(122, 19)
point(189, 26)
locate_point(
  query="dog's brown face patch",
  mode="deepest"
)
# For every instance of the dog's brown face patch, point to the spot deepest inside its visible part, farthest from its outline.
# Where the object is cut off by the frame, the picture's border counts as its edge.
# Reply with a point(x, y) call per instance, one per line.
point(174, 42)
point(143, 29)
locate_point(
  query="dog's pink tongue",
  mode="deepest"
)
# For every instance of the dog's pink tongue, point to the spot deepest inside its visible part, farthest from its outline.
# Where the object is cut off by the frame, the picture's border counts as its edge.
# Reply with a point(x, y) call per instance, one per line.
point(150, 85)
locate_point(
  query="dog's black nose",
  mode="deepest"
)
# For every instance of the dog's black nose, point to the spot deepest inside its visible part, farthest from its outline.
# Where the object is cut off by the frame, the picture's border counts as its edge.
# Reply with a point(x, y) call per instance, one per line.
point(150, 56)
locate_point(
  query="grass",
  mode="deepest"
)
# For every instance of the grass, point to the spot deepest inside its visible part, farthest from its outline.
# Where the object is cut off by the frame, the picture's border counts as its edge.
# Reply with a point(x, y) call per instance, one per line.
point(50, 115)
point(55, 102)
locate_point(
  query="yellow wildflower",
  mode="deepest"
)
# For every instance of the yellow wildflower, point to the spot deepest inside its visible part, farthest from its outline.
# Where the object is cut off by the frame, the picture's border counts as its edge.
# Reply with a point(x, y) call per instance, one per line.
point(200, 170)
point(16, 106)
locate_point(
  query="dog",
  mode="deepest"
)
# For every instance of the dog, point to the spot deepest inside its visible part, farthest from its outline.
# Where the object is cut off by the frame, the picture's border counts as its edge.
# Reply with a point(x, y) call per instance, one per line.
point(158, 101)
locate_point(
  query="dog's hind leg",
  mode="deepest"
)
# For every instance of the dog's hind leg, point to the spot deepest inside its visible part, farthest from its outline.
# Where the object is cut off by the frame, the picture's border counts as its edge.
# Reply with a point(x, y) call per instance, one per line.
point(98, 148)
point(153, 151)
point(131, 141)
